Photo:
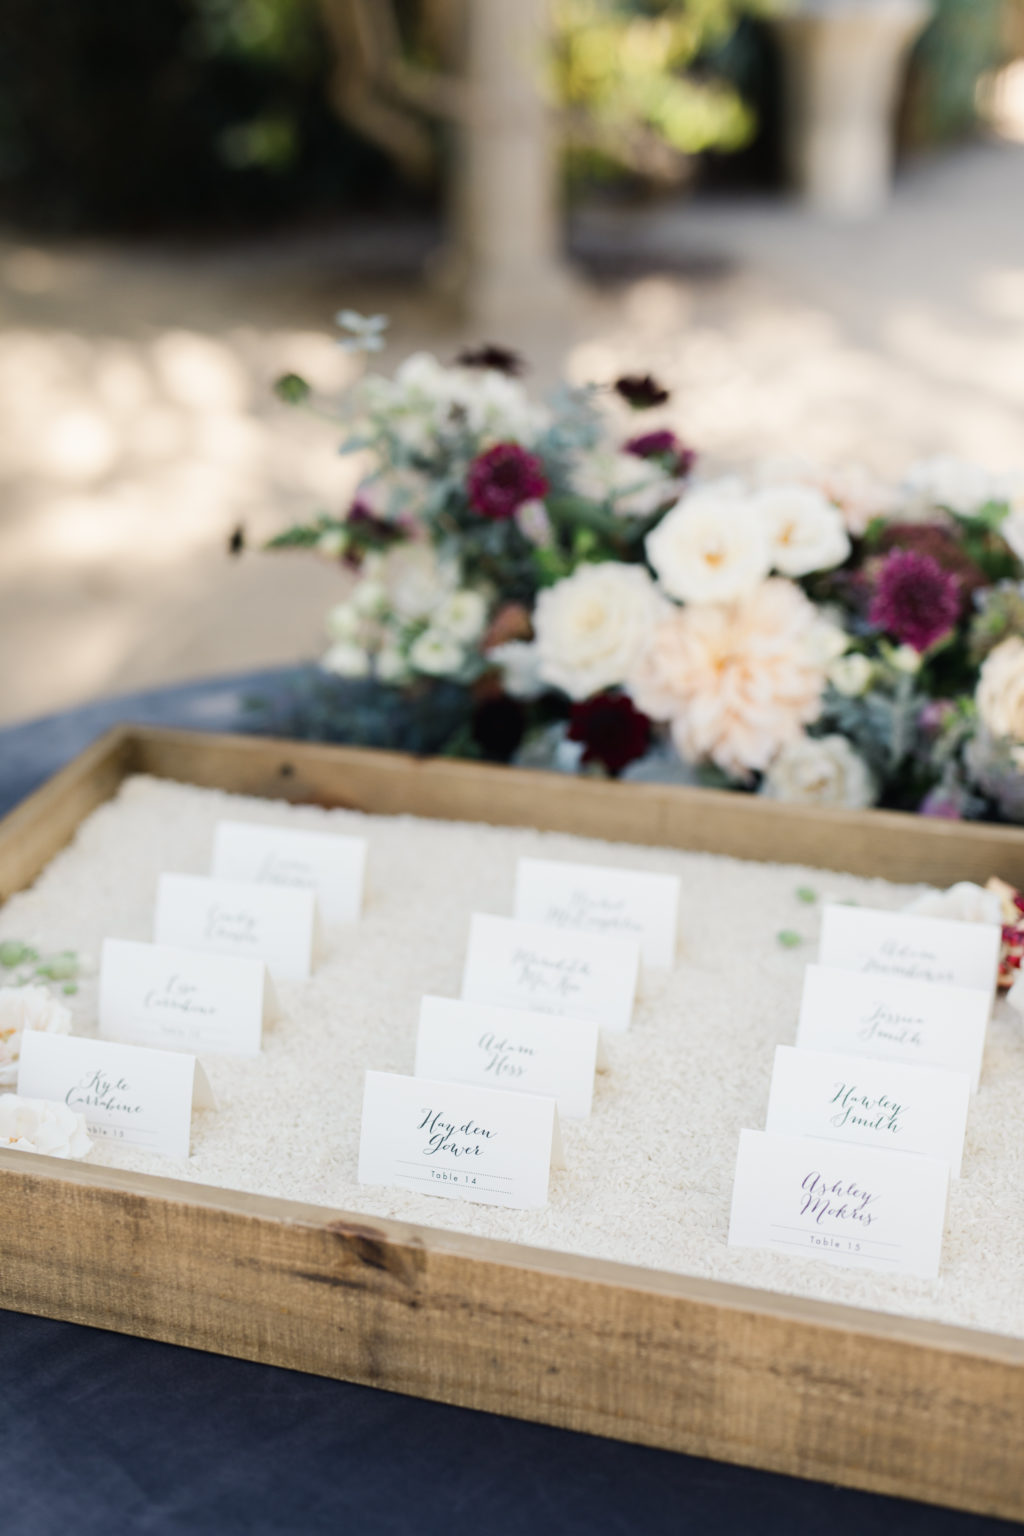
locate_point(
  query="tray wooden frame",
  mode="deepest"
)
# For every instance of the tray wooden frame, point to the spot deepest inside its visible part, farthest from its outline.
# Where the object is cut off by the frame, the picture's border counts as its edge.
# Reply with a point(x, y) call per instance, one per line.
point(873, 1401)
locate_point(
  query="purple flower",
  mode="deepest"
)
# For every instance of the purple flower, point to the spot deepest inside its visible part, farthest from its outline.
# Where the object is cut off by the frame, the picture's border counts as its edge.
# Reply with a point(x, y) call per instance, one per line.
point(501, 479)
point(915, 601)
point(943, 804)
point(679, 459)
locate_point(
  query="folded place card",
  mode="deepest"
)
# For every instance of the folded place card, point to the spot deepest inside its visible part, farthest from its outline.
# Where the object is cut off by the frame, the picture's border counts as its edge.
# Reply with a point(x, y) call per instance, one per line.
point(875, 1103)
point(626, 903)
point(901, 944)
point(464, 1142)
point(127, 1093)
point(327, 863)
point(885, 1016)
point(230, 917)
point(846, 1204)
point(509, 1048)
point(551, 970)
point(183, 999)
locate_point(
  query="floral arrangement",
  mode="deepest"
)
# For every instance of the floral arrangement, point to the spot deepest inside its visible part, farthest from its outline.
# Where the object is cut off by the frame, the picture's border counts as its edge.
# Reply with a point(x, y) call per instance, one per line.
point(547, 584)
point(37, 1125)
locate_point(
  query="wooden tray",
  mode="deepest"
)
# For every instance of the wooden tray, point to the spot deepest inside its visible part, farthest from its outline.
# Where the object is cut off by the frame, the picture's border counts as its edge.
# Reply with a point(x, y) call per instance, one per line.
point(874, 1401)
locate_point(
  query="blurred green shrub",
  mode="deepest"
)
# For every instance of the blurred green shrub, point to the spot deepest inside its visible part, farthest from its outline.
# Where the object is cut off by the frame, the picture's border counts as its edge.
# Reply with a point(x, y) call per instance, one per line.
point(132, 114)
point(965, 40)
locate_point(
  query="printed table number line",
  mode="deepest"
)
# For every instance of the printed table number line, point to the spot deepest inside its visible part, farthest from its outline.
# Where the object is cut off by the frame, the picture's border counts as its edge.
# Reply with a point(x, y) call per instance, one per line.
point(808, 1246)
point(777, 1226)
point(407, 1162)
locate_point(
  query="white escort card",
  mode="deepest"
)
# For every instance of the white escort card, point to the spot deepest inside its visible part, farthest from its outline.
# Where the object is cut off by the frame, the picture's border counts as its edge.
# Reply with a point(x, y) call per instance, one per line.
point(327, 863)
point(509, 1048)
point(464, 1142)
point(845, 1204)
point(875, 1103)
point(128, 1094)
point(627, 903)
point(901, 944)
point(249, 921)
point(885, 1016)
point(183, 999)
point(551, 970)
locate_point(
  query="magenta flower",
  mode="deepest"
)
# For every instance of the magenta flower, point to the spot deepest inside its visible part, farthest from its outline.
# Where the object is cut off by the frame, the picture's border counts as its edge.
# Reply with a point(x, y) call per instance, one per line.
point(501, 479)
point(663, 445)
point(915, 601)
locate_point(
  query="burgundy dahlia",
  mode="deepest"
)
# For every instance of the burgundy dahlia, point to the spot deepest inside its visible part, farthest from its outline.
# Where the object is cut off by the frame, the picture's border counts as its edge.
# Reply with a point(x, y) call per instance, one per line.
point(679, 459)
point(501, 479)
point(915, 601)
point(612, 730)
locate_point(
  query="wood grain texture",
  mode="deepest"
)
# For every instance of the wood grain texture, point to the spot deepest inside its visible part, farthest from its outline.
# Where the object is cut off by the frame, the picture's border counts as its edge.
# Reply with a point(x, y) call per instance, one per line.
point(870, 1400)
point(876, 1402)
point(890, 844)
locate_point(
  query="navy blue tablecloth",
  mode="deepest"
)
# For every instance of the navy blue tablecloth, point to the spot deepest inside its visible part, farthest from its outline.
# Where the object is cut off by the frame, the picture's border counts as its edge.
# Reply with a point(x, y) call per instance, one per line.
point(103, 1435)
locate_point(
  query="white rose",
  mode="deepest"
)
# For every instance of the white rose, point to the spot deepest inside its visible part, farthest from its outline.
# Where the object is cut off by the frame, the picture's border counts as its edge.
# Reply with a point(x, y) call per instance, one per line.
point(463, 616)
point(711, 547)
point(37, 1125)
point(964, 902)
point(519, 661)
point(436, 653)
point(850, 675)
point(346, 659)
point(825, 771)
point(1000, 696)
point(635, 487)
point(805, 531)
point(24, 1008)
point(954, 484)
point(593, 627)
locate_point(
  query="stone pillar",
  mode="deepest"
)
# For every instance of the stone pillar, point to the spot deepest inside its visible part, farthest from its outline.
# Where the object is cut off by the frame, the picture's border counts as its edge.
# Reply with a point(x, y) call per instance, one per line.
point(504, 265)
point(843, 67)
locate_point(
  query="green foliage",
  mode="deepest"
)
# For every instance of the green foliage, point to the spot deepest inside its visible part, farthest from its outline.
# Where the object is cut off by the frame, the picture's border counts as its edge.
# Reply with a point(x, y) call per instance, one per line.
point(963, 41)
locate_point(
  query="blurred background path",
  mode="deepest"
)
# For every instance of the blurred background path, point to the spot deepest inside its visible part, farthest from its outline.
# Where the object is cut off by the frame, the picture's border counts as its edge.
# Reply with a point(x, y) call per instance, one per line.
point(138, 426)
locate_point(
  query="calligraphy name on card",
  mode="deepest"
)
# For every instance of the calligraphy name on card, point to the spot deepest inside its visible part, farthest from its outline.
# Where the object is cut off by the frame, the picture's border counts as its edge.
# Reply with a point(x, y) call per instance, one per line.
point(184, 999)
point(625, 903)
point(908, 947)
point(551, 970)
point(327, 863)
point(129, 1094)
point(877, 1103)
point(856, 1206)
point(509, 1048)
point(458, 1140)
point(230, 917)
point(867, 1014)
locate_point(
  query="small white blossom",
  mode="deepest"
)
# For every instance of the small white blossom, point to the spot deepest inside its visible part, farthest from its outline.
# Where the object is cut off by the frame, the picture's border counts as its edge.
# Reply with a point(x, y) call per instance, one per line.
point(905, 659)
point(633, 486)
point(370, 598)
point(955, 485)
point(37, 1125)
point(519, 661)
point(391, 666)
point(365, 332)
point(436, 654)
point(346, 659)
point(343, 621)
point(533, 522)
point(24, 1008)
point(463, 615)
point(851, 675)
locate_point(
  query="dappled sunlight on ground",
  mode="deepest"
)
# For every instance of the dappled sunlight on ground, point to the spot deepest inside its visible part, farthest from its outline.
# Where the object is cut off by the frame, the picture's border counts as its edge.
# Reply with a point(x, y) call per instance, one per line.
point(138, 426)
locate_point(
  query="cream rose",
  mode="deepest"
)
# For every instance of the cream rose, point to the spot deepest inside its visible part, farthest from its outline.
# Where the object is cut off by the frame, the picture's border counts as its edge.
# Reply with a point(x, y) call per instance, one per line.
point(24, 1008)
point(37, 1125)
point(463, 615)
point(736, 682)
point(822, 771)
point(1000, 696)
point(711, 547)
point(805, 531)
point(592, 628)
